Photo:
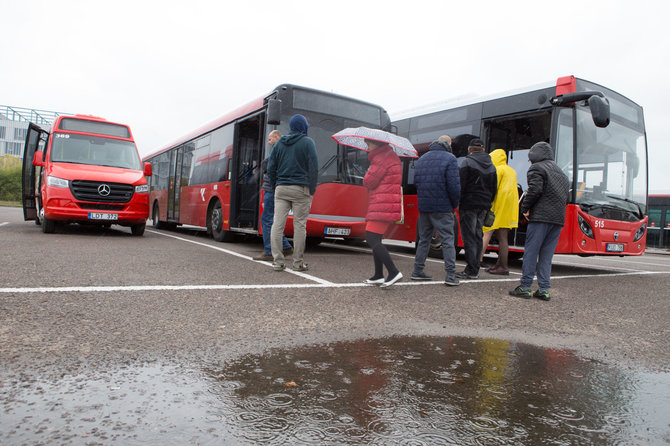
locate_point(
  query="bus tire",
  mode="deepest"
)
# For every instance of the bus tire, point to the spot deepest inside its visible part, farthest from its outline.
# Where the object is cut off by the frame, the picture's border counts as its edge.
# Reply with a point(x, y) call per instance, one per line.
point(313, 242)
point(48, 226)
point(138, 230)
point(156, 223)
point(215, 224)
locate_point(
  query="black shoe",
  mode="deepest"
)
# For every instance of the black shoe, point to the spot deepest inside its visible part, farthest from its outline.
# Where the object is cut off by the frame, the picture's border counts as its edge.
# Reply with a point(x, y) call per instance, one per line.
point(421, 276)
point(542, 295)
point(464, 275)
point(521, 292)
point(451, 281)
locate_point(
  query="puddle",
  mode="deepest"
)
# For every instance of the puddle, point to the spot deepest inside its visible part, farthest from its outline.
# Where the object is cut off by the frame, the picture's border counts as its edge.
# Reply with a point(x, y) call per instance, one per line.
point(402, 390)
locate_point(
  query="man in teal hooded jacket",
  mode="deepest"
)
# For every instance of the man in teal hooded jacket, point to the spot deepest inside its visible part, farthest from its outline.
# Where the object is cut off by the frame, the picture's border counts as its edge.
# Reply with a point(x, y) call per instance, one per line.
point(292, 172)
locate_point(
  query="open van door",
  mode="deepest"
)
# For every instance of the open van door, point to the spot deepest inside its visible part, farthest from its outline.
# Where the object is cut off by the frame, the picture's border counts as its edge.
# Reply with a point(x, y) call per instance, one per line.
point(35, 142)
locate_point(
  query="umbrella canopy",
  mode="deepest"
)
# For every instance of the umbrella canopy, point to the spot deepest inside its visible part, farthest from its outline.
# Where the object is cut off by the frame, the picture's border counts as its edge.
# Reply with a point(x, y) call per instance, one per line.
point(355, 137)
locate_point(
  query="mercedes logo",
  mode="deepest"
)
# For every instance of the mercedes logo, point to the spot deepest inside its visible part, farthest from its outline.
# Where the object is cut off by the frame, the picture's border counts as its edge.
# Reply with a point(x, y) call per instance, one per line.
point(104, 190)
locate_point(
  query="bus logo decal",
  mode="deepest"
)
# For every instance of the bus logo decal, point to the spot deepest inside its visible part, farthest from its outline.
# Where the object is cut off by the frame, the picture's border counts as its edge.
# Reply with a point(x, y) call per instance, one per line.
point(202, 193)
point(104, 190)
point(616, 236)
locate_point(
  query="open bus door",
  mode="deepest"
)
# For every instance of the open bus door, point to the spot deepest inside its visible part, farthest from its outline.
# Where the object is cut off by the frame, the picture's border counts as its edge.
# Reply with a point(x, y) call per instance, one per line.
point(247, 174)
point(35, 142)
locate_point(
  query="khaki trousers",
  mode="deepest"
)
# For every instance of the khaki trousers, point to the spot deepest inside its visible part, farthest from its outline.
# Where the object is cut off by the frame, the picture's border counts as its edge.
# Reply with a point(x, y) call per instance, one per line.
point(297, 199)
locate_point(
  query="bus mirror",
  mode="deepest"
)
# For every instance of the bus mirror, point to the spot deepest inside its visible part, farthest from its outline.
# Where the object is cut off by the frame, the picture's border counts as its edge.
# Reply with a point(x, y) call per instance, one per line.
point(600, 111)
point(38, 159)
point(147, 169)
point(274, 112)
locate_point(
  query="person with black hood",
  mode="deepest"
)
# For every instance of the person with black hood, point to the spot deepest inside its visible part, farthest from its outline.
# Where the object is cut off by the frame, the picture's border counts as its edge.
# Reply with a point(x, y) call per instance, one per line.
point(544, 208)
point(292, 173)
point(479, 183)
point(438, 189)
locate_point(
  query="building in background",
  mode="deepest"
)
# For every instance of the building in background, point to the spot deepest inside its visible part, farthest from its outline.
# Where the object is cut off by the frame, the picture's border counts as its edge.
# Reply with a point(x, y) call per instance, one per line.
point(14, 126)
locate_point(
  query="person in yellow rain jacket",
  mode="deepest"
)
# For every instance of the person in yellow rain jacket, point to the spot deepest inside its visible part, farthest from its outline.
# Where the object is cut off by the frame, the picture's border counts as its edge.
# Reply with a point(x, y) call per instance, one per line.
point(506, 208)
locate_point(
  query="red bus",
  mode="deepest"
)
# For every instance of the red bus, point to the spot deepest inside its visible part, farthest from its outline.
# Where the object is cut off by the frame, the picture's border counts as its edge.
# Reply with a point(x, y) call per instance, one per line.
point(211, 177)
point(84, 170)
point(599, 140)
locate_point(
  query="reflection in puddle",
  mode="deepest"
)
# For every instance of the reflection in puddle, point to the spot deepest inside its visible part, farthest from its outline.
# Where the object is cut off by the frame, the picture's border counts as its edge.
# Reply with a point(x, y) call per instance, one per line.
point(402, 390)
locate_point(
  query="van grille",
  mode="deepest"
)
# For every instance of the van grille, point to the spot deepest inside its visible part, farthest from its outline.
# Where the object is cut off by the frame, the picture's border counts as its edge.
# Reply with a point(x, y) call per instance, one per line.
point(88, 191)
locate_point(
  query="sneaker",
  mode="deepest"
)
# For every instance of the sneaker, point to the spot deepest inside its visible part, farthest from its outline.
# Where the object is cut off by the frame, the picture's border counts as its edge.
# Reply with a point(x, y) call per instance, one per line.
point(288, 251)
point(374, 281)
point(451, 281)
point(278, 267)
point(498, 270)
point(464, 275)
point(263, 256)
point(521, 292)
point(301, 267)
point(421, 276)
point(391, 281)
point(542, 295)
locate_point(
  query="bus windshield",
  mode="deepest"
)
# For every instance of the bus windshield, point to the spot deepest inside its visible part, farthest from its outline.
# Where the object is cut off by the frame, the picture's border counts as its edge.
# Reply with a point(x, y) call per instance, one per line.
point(611, 165)
point(94, 150)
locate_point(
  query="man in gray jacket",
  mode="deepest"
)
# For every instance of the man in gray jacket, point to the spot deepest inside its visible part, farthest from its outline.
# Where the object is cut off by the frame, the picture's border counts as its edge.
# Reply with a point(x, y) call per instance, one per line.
point(544, 207)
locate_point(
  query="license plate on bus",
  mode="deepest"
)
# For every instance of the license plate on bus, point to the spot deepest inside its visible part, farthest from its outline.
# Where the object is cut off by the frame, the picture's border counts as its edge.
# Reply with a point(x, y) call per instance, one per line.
point(615, 247)
point(102, 216)
point(337, 231)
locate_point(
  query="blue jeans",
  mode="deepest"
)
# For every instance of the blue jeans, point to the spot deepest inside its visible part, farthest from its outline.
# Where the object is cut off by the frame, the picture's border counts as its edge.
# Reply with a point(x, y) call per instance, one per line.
point(541, 241)
point(267, 217)
point(472, 222)
point(443, 223)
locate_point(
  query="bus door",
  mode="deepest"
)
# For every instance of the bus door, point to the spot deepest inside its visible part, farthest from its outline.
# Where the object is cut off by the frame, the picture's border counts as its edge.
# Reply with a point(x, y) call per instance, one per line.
point(35, 140)
point(516, 134)
point(174, 184)
point(246, 174)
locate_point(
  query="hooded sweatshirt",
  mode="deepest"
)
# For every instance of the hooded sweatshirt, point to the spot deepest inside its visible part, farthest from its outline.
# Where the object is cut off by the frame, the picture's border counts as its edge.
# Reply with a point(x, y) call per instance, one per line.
point(479, 181)
point(293, 160)
point(548, 187)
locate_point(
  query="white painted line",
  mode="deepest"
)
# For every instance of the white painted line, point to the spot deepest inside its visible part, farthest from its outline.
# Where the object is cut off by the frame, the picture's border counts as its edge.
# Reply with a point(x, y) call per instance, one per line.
point(245, 257)
point(104, 289)
point(4, 223)
point(633, 260)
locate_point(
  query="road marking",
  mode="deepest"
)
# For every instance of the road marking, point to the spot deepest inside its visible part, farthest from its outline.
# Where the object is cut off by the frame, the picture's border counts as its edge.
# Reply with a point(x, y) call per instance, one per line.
point(245, 257)
point(104, 289)
point(630, 259)
point(4, 223)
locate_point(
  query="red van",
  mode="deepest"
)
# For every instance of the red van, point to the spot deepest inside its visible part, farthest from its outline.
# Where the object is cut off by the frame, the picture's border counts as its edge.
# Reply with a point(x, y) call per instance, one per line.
point(85, 170)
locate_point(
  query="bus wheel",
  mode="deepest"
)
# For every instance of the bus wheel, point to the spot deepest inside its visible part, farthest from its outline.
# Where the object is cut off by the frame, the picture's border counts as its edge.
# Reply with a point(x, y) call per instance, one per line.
point(215, 224)
point(48, 226)
point(313, 242)
point(138, 230)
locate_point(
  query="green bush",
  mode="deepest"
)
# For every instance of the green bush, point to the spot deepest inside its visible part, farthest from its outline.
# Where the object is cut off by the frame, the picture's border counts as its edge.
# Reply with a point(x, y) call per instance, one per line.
point(10, 184)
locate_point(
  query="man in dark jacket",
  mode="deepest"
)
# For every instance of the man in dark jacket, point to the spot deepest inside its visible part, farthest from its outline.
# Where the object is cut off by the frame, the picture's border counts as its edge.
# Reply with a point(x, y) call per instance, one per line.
point(292, 173)
point(544, 207)
point(438, 189)
point(479, 184)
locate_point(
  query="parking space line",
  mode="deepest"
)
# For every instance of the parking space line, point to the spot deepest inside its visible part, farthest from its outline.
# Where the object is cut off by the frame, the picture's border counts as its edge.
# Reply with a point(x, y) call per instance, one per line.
point(104, 289)
point(4, 223)
point(245, 257)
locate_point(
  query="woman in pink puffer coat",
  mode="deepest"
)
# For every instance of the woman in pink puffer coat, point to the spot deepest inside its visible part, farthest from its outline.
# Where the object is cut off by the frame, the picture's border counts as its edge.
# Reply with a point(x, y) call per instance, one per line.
point(383, 181)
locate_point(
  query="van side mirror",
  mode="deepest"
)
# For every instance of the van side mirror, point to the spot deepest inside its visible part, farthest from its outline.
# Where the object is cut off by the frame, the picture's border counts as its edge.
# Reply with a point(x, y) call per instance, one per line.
point(38, 158)
point(600, 111)
point(147, 169)
point(274, 112)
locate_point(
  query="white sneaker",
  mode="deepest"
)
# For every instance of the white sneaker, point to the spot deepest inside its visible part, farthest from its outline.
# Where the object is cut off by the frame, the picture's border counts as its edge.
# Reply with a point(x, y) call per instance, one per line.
point(396, 278)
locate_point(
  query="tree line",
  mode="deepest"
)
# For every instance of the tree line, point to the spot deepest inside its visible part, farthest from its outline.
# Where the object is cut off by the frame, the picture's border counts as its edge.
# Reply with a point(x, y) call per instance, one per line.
point(10, 178)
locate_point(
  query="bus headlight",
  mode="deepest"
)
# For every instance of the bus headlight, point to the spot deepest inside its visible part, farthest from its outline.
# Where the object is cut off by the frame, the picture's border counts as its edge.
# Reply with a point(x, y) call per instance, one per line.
point(640, 232)
point(142, 189)
point(57, 182)
point(585, 226)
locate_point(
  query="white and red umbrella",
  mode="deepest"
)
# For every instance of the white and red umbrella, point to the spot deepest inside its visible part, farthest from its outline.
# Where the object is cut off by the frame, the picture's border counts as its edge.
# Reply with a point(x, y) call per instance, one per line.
point(355, 137)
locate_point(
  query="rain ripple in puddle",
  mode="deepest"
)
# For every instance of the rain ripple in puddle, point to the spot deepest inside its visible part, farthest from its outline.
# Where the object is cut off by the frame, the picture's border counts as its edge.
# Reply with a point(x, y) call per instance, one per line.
point(401, 390)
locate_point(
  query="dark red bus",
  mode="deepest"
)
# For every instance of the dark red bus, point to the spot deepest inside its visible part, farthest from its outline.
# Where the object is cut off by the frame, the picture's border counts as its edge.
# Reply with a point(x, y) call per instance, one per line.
point(600, 143)
point(211, 177)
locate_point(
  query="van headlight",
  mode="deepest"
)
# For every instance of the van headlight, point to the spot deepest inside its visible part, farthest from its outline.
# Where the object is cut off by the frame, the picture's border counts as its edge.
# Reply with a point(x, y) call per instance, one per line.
point(640, 232)
point(57, 182)
point(142, 189)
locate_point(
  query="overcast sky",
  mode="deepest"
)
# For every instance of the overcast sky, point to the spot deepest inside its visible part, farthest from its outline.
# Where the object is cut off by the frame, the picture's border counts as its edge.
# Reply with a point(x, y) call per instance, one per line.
point(166, 67)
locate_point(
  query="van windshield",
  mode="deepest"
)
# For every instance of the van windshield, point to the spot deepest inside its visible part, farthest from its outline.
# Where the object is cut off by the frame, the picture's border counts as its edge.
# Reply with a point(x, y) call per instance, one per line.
point(94, 150)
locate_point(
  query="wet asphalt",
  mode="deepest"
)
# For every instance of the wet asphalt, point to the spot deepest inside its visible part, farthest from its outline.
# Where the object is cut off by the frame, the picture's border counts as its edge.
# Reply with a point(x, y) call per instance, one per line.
point(85, 300)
